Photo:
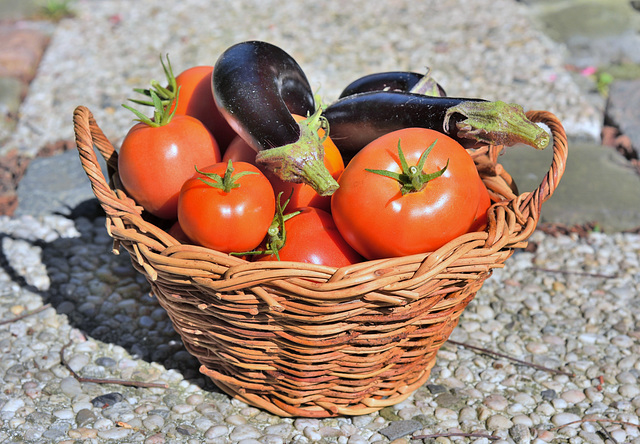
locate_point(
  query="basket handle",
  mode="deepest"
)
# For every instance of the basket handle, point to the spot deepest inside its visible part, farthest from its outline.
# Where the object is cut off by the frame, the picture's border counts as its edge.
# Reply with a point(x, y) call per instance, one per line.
point(530, 204)
point(89, 135)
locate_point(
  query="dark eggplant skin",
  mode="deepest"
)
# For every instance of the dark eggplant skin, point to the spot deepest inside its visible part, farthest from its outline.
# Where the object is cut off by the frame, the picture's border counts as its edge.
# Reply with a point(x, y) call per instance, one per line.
point(358, 119)
point(257, 86)
point(388, 81)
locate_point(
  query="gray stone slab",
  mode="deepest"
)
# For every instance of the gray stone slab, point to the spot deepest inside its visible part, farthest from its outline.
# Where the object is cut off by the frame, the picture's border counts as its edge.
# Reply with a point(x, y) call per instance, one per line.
point(623, 109)
point(56, 184)
point(598, 185)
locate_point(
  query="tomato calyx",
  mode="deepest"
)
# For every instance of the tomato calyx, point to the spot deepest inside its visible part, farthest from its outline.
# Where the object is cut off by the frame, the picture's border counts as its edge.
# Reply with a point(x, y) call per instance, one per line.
point(412, 178)
point(303, 160)
point(161, 114)
point(276, 233)
point(166, 94)
point(227, 182)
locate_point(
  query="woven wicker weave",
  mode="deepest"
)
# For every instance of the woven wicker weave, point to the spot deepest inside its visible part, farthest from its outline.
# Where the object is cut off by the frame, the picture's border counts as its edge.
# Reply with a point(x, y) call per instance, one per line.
point(307, 340)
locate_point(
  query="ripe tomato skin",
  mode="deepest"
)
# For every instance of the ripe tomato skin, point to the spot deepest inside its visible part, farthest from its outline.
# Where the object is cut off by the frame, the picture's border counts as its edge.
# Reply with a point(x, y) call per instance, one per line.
point(196, 99)
point(154, 162)
point(233, 221)
point(240, 151)
point(378, 221)
point(312, 237)
point(178, 233)
point(484, 202)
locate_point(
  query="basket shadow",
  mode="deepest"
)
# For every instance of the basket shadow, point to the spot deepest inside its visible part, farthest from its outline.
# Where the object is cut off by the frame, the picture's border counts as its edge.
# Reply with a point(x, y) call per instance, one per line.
point(102, 295)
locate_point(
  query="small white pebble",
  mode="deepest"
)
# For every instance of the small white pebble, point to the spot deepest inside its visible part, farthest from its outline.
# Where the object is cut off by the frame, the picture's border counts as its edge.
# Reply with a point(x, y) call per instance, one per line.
point(312, 433)
point(443, 414)
point(499, 422)
point(573, 396)
point(562, 419)
point(216, 431)
point(183, 408)
point(235, 420)
point(496, 402)
point(559, 404)
point(522, 419)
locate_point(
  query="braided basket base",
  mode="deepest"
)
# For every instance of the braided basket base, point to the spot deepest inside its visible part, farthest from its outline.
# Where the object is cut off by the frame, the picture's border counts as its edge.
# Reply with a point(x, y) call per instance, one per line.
point(308, 340)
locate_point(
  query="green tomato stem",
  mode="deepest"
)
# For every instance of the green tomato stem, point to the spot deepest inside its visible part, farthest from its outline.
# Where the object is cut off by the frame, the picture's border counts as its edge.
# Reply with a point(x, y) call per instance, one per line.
point(276, 233)
point(227, 182)
point(412, 178)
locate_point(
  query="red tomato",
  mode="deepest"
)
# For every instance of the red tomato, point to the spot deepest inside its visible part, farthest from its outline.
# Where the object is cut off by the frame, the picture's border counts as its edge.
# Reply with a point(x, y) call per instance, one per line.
point(178, 233)
point(240, 151)
point(484, 202)
point(196, 99)
point(313, 238)
point(232, 219)
point(154, 162)
point(379, 221)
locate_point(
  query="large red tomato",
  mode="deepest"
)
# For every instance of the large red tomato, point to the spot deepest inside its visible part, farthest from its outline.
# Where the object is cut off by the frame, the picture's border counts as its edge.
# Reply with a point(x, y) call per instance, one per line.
point(399, 197)
point(196, 99)
point(154, 161)
point(227, 207)
point(312, 237)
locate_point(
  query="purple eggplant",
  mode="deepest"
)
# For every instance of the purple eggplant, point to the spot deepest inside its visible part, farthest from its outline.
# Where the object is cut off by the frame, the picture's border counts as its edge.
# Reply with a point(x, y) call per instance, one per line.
point(257, 87)
point(407, 81)
point(358, 119)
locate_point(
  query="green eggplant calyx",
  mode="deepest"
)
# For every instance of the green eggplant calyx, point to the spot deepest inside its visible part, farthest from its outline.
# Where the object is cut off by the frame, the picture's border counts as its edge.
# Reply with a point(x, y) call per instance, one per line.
point(496, 123)
point(303, 160)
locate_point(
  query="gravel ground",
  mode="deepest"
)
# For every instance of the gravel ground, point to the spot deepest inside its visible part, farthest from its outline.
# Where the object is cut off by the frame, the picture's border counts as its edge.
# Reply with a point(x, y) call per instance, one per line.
point(69, 306)
point(571, 307)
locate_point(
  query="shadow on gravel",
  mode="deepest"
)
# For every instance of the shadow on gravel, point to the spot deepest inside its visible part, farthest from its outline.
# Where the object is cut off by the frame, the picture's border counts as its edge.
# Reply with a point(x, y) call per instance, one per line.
point(104, 297)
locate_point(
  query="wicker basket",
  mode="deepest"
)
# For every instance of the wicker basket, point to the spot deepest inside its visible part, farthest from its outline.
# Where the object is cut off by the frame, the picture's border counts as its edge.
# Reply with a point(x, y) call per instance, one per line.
point(308, 340)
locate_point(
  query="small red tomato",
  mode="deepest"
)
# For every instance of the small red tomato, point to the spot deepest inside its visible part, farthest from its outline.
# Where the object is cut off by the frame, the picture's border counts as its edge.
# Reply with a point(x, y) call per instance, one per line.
point(227, 207)
point(240, 151)
point(312, 237)
point(484, 202)
point(156, 158)
point(178, 233)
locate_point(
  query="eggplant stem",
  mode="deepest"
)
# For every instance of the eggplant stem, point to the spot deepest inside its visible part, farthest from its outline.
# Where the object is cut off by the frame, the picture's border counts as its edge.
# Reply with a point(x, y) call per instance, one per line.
point(303, 160)
point(427, 86)
point(496, 123)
